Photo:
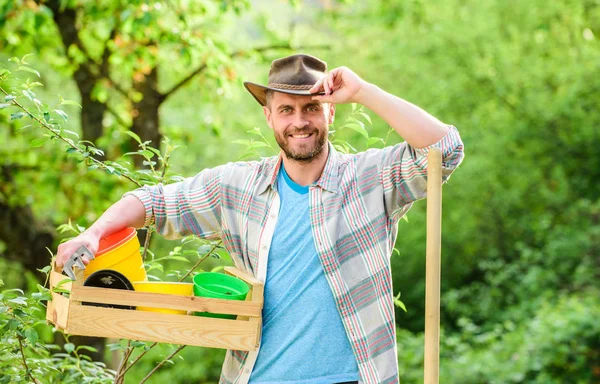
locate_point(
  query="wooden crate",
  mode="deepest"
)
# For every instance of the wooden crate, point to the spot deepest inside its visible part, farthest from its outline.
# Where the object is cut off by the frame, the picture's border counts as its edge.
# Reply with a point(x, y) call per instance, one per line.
point(242, 333)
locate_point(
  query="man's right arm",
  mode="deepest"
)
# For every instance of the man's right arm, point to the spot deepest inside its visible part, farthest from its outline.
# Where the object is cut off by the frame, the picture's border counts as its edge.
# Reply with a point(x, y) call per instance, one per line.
point(192, 206)
point(127, 212)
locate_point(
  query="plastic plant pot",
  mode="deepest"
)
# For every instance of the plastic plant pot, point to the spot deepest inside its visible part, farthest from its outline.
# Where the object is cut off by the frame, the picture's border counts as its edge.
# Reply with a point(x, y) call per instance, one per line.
point(219, 286)
point(182, 289)
point(106, 278)
point(120, 252)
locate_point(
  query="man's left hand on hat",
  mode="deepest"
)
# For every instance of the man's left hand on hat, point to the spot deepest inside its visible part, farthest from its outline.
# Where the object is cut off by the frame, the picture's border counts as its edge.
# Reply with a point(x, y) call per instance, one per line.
point(340, 85)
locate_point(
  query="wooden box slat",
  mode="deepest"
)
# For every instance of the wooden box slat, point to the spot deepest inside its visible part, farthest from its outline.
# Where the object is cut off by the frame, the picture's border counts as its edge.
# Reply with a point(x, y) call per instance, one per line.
point(162, 327)
point(163, 300)
point(242, 333)
point(57, 311)
point(57, 277)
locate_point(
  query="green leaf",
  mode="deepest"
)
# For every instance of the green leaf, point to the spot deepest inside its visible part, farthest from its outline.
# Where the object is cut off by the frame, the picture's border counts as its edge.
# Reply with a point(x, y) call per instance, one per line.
point(366, 117)
point(373, 140)
point(62, 114)
point(17, 115)
point(353, 107)
point(86, 348)
point(69, 347)
point(68, 102)
point(22, 61)
point(31, 335)
point(154, 150)
point(134, 136)
point(71, 133)
point(137, 344)
point(2, 106)
point(23, 127)
point(36, 143)
point(356, 127)
point(27, 69)
point(146, 154)
point(10, 98)
point(46, 269)
point(399, 303)
point(96, 151)
point(18, 300)
point(178, 258)
point(13, 324)
point(30, 95)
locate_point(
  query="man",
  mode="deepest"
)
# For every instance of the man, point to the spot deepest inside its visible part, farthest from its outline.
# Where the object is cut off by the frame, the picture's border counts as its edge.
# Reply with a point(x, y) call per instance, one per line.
point(318, 227)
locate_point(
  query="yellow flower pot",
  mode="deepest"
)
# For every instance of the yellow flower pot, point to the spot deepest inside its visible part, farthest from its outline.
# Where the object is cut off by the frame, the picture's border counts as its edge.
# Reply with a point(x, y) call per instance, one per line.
point(120, 252)
point(182, 289)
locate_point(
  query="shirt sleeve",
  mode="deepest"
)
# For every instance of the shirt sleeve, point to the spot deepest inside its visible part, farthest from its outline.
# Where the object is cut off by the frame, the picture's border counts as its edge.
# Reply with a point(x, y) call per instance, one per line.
point(404, 171)
point(192, 206)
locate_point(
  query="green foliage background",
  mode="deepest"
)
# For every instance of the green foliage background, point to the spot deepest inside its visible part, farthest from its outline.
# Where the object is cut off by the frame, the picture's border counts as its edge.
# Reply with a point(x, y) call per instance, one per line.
point(521, 227)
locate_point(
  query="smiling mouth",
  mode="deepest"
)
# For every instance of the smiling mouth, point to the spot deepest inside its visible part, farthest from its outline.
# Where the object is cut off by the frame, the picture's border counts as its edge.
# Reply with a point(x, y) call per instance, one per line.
point(301, 136)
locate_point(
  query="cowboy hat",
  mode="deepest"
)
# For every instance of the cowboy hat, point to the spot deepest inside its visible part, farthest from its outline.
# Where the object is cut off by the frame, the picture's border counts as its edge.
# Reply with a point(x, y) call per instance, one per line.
point(294, 75)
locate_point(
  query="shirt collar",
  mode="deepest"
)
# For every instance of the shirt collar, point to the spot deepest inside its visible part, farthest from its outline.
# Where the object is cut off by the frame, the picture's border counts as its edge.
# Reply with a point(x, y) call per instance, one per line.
point(327, 181)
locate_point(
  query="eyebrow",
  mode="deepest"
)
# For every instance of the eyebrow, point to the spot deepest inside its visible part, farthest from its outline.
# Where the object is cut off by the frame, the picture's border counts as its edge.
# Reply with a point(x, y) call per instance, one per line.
point(311, 104)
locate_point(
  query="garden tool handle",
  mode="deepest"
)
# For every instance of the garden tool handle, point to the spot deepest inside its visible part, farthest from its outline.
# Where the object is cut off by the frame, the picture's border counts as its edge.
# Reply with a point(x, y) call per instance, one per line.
point(433, 266)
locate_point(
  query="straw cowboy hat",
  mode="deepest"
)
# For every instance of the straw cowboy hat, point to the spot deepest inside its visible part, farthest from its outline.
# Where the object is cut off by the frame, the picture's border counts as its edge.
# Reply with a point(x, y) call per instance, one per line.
point(294, 74)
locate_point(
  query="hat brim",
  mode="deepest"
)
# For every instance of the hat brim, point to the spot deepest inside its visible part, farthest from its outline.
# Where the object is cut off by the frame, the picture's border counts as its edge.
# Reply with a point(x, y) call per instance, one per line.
point(260, 92)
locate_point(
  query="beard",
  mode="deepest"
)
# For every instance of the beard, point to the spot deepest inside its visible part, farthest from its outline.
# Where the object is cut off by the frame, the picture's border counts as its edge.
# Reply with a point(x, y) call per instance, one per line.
point(303, 152)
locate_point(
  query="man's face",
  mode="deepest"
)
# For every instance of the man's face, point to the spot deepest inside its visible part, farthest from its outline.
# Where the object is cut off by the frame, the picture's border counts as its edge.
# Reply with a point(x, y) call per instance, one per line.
point(301, 125)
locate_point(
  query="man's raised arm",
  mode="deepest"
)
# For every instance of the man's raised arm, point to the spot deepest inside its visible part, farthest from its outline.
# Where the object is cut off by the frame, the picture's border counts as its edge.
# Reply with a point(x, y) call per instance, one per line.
point(417, 127)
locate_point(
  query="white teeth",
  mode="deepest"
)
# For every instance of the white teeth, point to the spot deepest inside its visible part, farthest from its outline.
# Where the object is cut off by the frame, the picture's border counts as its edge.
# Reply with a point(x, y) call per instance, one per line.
point(300, 136)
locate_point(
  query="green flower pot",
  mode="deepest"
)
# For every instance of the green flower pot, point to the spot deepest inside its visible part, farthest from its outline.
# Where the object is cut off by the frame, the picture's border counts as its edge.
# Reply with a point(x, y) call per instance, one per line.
point(219, 286)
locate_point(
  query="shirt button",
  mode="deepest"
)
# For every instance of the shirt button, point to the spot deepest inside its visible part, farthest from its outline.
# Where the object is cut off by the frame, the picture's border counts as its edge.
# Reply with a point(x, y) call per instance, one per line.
point(273, 215)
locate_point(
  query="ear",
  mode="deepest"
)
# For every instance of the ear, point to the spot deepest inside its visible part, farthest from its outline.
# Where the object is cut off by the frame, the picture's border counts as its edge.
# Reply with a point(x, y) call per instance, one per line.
point(331, 107)
point(268, 116)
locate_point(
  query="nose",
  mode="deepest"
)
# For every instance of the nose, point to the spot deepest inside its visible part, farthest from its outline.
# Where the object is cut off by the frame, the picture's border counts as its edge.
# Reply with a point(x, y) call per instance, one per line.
point(300, 120)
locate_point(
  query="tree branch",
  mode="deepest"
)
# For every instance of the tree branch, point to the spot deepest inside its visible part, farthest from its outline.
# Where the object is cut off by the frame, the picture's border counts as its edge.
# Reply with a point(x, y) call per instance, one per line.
point(116, 116)
point(286, 46)
point(106, 52)
point(162, 363)
point(165, 95)
point(215, 246)
point(25, 362)
point(68, 142)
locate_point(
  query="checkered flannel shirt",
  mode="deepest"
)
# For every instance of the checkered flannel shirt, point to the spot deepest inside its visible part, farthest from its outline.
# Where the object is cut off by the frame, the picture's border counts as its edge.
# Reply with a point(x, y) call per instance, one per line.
point(354, 211)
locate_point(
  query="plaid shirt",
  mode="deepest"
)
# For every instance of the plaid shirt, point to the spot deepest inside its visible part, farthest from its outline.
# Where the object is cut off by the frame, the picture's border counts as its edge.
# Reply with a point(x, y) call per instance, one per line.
point(354, 211)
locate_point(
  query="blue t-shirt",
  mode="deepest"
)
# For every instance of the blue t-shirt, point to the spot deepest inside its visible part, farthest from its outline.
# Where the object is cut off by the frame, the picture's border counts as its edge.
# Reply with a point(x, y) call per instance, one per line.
point(303, 337)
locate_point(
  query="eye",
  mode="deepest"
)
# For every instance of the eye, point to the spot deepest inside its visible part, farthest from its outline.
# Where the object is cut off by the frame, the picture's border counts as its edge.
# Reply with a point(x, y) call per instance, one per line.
point(313, 108)
point(286, 110)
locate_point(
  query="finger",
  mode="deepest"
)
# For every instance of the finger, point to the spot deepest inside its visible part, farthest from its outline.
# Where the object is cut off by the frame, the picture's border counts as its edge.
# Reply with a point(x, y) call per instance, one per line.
point(317, 87)
point(326, 85)
point(331, 82)
point(59, 255)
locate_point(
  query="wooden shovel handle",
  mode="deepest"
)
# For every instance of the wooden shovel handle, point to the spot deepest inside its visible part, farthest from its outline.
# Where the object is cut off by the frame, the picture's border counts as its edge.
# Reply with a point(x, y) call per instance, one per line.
point(432, 267)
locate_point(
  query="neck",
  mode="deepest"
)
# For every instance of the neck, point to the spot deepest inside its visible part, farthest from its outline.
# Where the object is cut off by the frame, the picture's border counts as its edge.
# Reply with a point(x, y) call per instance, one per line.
point(306, 173)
